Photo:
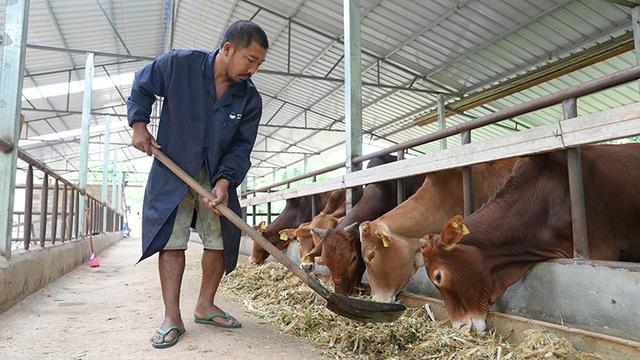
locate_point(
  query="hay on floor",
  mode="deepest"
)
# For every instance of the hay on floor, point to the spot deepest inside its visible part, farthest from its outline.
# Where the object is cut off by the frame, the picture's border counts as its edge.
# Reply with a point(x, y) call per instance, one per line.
point(276, 296)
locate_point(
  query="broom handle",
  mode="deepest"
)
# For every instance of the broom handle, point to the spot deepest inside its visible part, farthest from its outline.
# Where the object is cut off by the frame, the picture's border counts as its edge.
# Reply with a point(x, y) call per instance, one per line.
point(230, 215)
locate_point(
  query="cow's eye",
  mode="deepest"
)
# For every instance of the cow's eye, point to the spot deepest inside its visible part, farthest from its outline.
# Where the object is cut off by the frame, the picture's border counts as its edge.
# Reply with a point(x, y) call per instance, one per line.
point(371, 256)
point(437, 277)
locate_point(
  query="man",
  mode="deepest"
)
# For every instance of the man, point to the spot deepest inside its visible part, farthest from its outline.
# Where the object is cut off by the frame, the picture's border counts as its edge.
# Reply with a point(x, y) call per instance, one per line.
point(208, 126)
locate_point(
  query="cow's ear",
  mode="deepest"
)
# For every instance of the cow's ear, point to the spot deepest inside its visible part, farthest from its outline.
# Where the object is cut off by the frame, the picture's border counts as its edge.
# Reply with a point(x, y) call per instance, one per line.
point(365, 227)
point(384, 238)
point(319, 232)
point(453, 231)
point(262, 226)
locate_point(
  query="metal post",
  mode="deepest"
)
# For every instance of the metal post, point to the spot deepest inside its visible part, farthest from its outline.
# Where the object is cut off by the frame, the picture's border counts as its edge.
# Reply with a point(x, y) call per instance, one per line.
point(54, 212)
point(105, 169)
point(576, 190)
point(77, 213)
point(635, 25)
point(314, 206)
point(114, 188)
point(72, 214)
point(400, 191)
point(243, 189)
point(352, 93)
point(253, 214)
point(442, 120)
point(84, 140)
point(467, 180)
point(63, 232)
point(44, 198)
point(14, 41)
point(28, 207)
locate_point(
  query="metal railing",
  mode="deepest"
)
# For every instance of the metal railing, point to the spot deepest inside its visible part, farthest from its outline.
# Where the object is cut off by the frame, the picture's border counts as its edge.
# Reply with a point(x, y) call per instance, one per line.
point(567, 97)
point(57, 216)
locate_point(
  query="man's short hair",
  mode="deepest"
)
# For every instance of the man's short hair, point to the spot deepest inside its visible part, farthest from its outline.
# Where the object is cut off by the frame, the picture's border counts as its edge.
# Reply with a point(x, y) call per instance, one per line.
point(243, 32)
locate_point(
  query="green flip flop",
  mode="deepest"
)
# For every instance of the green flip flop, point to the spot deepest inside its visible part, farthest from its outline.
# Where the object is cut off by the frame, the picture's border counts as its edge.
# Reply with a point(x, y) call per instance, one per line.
point(164, 333)
point(209, 320)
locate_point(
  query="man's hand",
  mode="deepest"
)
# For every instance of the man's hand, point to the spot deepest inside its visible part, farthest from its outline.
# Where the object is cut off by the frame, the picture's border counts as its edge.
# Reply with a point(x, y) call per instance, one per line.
point(220, 195)
point(142, 138)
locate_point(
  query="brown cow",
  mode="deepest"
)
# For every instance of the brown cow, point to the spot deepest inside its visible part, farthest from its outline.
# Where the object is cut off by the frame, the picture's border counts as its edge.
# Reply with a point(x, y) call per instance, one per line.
point(391, 243)
point(327, 219)
point(295, 212)
point(341, 246)
point(529, 221)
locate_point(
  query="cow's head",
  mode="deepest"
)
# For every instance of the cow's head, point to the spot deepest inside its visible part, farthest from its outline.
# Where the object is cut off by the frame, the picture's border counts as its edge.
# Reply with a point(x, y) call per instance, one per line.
point(310, 246)
point(340, 254)
point(459, 273)
point(258, 254)
point(391, 260)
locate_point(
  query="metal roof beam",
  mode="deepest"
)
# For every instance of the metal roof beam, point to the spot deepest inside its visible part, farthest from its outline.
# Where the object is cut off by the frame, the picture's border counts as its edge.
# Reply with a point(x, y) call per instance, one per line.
point(84, 52)
point(53, 72)
point(113, 27)
point(364, 83)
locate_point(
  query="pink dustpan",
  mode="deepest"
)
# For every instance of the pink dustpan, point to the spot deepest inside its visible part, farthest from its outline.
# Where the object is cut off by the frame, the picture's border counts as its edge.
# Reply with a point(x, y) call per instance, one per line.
point(94, 261)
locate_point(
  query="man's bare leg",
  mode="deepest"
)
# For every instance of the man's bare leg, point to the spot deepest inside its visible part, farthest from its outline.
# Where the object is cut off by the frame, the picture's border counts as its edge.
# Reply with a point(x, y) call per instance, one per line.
point(212, 272)
point(171, 268)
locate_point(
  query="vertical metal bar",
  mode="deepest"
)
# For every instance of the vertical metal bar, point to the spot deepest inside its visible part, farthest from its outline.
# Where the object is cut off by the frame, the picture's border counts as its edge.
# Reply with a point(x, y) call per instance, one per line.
point(269, 212)
point(72, 214)
point(44, 198)
point(68, 89)
point(289, 47)
point(114, 206)
point(576, 190)
point(54, 212)
point(84, 140)
point(352, 93)
point(77, 213)
point(314, 206)
point(63, 232)
point(243, 189)
point(442, 119)
point(253, 214)
point(105, 168)
point(14, 41)
point(467, 180)
point(400, 190)
point(28, 207)
point(635, 25)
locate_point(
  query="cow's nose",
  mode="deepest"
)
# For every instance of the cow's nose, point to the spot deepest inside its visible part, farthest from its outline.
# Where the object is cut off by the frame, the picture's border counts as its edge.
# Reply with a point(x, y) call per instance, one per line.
point(463, 325)
point(479, 324)
point(306, 266)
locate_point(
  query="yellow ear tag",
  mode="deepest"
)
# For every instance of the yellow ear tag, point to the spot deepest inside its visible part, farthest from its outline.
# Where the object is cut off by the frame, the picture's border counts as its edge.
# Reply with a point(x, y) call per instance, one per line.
point(263, 226)
point(283, 236)
point(385, 239)
point(465, 231)
point(306, 259)
point(454, 224)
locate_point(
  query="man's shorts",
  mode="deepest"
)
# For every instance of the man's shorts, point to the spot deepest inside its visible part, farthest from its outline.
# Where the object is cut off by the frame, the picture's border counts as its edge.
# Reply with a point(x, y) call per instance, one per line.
point(207, 224)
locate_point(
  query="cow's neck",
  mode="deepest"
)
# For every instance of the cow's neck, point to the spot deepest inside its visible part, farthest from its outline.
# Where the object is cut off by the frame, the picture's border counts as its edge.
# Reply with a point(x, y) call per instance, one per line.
point(374, 202)
point(522, 225)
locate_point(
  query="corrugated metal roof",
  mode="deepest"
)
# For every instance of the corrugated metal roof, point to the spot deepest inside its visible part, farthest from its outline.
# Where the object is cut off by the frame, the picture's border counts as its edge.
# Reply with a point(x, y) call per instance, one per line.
point(463, 46)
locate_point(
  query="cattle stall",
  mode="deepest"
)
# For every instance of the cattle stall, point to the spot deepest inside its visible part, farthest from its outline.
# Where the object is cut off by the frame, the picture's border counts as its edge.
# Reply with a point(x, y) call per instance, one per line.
point(555, 293)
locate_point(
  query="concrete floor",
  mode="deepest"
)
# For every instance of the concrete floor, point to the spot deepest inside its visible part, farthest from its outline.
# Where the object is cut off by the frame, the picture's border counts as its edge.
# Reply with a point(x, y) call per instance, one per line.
point(110, 312)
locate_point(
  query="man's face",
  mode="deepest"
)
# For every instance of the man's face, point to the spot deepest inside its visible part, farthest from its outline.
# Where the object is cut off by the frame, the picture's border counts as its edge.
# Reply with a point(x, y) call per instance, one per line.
point(243, 63)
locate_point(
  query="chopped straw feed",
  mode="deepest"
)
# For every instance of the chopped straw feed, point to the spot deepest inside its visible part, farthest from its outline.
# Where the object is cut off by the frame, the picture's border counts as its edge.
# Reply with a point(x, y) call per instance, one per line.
point(276, 296)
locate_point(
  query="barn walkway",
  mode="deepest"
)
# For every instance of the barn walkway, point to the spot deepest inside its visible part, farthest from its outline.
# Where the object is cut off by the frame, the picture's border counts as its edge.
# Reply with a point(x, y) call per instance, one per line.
point(110, 312)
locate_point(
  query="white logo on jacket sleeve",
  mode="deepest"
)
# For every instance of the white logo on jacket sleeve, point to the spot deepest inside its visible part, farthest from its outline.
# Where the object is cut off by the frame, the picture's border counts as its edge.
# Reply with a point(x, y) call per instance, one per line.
point(234, 116)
